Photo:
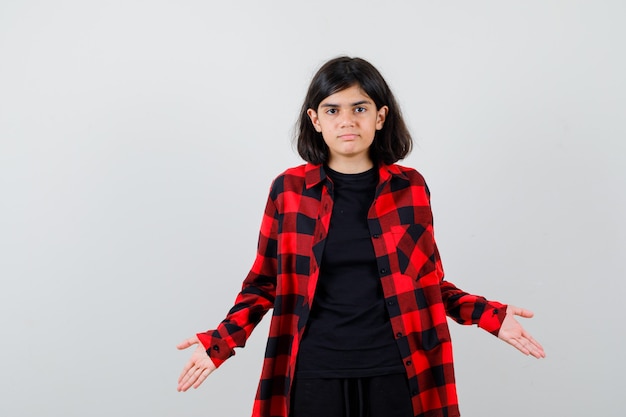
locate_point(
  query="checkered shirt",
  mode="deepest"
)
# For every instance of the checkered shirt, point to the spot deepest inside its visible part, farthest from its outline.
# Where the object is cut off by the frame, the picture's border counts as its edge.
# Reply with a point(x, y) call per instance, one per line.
point(418, 299)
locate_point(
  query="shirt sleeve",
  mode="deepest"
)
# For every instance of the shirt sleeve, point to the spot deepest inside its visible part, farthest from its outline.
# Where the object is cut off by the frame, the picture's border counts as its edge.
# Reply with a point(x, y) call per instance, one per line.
point(470, 309)
point(255, 298)
point(465, 308)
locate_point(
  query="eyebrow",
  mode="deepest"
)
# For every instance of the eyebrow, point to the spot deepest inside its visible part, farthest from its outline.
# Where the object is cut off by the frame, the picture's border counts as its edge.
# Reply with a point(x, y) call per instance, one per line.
point(357, 103)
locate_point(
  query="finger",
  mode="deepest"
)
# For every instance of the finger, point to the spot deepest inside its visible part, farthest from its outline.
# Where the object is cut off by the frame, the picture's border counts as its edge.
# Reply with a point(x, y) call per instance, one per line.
point(182, 382)
point(534, 346)
point(540, 350)
point(182, 379)
point(201, 378)
point(530, 338)
point(519, 345)
point(539, 354)
point(188, 342)
point(537, 350)
point(188, 380)
point(522, 312)
point(185, 385)
point(186, 370)
point(531, 346)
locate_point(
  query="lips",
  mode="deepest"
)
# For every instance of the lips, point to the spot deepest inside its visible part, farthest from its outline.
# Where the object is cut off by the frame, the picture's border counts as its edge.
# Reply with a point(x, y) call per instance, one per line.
point(348, 136)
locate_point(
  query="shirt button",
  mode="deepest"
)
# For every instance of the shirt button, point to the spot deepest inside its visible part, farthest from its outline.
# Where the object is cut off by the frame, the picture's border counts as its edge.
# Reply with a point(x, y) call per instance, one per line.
point(216, 348)
point(376, 236)
point(399, 334)
point(408, 363)
point(390, 303)
point(383, 271)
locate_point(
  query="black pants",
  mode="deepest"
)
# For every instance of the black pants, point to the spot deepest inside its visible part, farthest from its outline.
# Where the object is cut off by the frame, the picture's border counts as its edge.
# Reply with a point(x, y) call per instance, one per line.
point(378, 396)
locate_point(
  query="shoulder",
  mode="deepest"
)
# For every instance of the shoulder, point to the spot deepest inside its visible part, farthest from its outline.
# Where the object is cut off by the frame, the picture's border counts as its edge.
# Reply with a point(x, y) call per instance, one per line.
point(407, 178)
point(291, 178)
point(297, 171)
point(411, 174)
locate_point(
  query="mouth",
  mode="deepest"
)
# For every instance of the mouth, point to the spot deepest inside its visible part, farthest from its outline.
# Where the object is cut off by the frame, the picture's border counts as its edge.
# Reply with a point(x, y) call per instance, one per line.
point(348, 136)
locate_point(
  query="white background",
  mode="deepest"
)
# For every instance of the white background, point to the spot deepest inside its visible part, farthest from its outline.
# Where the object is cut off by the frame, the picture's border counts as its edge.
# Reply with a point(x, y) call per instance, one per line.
point(138, 140)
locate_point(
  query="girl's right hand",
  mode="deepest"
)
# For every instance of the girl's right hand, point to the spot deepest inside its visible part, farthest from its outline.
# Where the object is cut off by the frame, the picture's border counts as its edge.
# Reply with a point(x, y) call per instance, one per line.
point(197, 369)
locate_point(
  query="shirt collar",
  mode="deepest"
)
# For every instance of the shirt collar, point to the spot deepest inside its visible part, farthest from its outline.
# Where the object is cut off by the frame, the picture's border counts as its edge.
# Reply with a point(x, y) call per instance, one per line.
point(315, 174)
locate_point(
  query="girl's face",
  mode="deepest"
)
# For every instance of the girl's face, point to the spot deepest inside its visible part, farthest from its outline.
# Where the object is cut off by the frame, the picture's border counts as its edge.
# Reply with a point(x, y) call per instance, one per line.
point(348, 121)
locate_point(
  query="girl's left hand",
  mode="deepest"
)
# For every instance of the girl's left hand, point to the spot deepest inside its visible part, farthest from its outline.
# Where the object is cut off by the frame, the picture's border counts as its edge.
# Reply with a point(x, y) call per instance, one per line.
point(514, 334)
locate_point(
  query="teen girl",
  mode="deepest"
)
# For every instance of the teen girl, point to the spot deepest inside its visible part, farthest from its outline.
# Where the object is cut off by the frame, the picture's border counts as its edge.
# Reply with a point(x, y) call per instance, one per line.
point(347, 260)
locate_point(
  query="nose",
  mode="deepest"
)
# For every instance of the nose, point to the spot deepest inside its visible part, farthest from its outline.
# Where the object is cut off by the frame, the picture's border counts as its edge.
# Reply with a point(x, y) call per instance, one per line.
point(347, 120)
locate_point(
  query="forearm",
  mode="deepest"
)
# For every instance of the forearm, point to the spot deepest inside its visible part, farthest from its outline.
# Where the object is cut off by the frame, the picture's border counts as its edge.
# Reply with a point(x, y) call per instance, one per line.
point(233, 332)
point(253, 301)
point(465, 308)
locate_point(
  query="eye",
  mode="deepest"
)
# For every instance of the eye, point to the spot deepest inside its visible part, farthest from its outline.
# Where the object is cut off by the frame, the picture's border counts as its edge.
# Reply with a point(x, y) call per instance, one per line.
point(360, 110)
point(331, 111)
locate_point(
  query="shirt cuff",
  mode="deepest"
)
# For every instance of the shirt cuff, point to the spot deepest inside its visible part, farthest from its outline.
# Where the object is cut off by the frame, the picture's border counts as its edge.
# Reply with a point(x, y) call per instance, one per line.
point(217, 349)
point(492, 318)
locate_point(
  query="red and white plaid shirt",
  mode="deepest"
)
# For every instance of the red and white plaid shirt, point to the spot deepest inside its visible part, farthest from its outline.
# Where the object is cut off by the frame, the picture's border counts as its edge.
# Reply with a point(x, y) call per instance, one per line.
point(418, 299)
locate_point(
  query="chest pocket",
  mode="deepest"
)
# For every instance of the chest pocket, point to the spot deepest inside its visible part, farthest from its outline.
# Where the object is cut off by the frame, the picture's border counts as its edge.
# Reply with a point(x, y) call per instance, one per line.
point(416, 249)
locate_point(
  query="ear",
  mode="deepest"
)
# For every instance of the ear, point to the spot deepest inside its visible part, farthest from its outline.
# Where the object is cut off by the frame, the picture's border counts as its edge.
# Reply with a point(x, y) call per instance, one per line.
point(314, 119)
point(381, 116)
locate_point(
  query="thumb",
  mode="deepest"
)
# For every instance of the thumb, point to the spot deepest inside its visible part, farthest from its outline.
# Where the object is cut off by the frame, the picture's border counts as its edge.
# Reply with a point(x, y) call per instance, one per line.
point(188, 342)
point(521, 312)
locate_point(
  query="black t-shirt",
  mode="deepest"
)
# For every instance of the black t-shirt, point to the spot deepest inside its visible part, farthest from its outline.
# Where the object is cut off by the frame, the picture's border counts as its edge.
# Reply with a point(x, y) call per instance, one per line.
point(348, 333)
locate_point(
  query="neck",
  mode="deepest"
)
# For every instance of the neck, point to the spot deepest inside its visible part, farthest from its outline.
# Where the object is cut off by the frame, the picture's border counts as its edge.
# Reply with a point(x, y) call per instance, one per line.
point(348, 166)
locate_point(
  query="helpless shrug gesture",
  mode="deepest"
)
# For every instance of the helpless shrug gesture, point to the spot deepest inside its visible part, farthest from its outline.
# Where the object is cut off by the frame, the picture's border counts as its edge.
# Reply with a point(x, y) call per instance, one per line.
point(347, 262)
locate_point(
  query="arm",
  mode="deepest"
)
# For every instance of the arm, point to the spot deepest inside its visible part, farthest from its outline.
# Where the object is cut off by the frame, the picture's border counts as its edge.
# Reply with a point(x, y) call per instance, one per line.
point(465, 308)
point(255, 298)
point(496, 318)
point(253, 301)
point(492, 316)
